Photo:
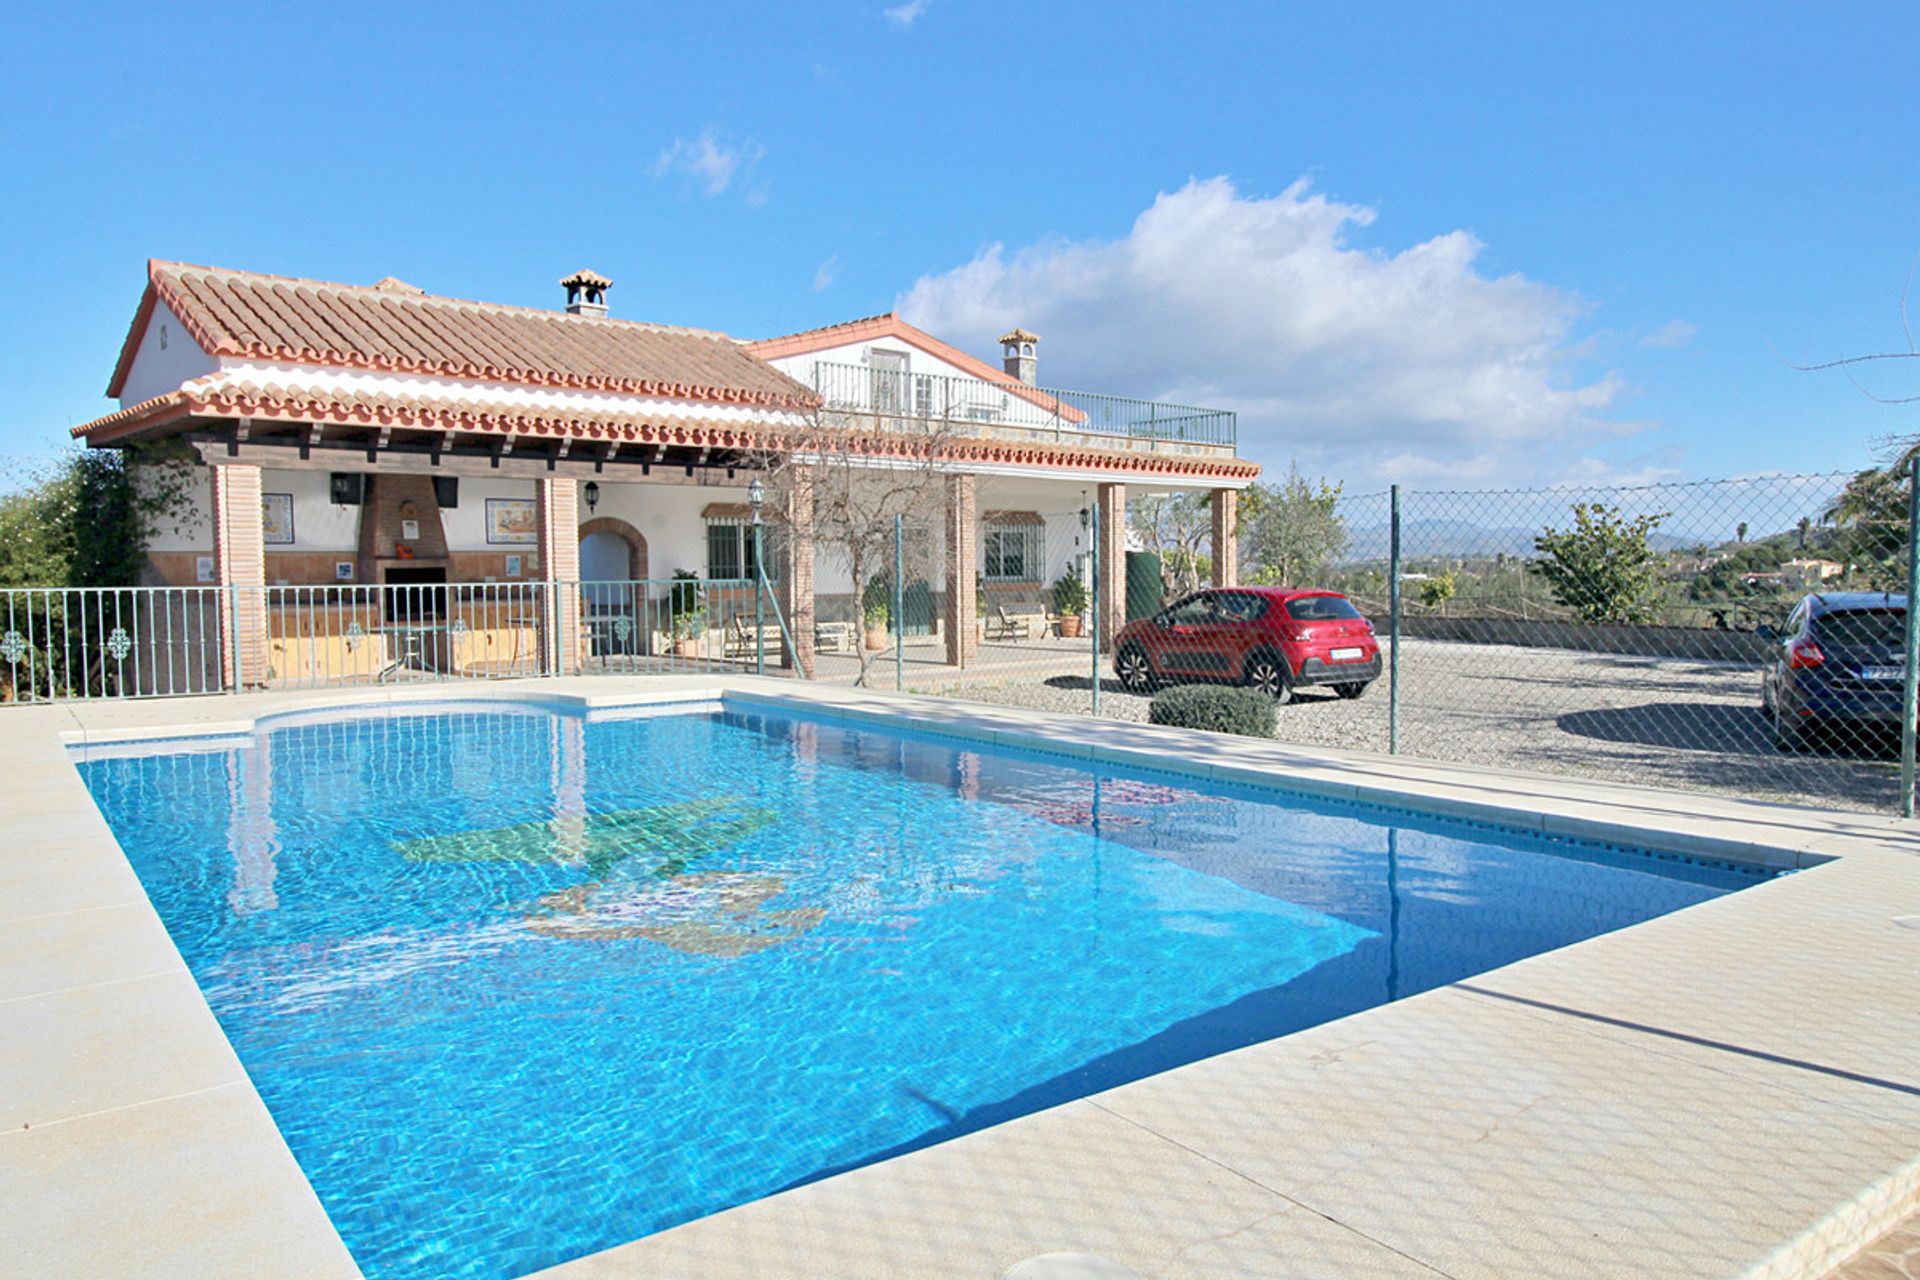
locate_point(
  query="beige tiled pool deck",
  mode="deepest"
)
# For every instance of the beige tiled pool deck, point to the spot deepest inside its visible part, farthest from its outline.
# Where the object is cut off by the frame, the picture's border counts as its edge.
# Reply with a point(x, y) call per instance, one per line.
point(1729, 1091)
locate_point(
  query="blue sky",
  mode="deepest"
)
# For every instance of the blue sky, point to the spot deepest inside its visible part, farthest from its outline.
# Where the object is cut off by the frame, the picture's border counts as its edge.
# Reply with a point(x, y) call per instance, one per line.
point(1451, 244)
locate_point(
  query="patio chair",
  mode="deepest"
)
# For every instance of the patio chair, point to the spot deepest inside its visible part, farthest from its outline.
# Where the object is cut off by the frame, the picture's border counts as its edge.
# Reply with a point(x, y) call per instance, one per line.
point(1004, 626)
point(742, 641)
point(833, 637)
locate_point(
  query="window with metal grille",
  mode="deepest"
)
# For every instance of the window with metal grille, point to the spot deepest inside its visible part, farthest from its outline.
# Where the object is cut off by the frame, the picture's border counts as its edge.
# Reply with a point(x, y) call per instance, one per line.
point(1012, 553)
point(730, 549)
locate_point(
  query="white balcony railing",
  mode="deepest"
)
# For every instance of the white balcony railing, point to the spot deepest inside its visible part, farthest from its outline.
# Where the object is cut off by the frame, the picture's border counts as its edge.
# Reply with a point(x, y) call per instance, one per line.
point(973, 405)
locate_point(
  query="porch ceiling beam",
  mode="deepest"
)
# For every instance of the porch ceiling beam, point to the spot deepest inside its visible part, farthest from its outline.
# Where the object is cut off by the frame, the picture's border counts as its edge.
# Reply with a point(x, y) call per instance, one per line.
point(607, 454)
point(292, 454)
point(241, 428)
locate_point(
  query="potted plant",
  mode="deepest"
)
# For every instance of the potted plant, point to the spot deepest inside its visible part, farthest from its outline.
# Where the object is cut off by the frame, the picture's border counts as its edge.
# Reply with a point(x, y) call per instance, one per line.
point(877, 615)
point(1069, 602)
point(876, 610)
point(686, 615)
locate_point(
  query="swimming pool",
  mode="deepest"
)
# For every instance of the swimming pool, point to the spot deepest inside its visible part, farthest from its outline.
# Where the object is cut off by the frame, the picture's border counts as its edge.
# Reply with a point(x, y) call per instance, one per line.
point(518, 985)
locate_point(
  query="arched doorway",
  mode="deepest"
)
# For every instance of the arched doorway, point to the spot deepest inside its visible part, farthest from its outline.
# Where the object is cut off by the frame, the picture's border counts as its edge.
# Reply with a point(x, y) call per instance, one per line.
point(613, 570)
point(604, 558)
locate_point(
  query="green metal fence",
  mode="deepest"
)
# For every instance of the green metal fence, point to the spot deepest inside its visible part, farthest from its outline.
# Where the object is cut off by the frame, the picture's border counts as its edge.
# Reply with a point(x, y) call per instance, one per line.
point(61, 644)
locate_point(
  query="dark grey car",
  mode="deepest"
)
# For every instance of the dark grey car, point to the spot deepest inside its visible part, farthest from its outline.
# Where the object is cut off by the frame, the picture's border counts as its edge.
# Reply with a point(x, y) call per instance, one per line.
point(1839, 663)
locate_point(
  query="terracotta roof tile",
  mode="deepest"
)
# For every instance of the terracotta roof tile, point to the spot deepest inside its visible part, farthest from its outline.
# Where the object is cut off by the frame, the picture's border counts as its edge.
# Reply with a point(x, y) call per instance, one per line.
point(388, 327)
point(215, 397)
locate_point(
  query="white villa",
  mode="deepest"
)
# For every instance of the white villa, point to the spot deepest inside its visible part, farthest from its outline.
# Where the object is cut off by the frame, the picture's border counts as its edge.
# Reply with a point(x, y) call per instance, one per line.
point(346, 436)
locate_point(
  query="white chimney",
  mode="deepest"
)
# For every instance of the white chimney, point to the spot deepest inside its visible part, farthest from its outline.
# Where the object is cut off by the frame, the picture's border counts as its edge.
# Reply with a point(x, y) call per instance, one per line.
point(586, 293)
point(1017, 355)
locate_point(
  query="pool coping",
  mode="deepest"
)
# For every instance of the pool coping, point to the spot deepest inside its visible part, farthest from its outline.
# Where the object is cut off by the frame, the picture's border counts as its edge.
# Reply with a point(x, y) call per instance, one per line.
point(116, 1059)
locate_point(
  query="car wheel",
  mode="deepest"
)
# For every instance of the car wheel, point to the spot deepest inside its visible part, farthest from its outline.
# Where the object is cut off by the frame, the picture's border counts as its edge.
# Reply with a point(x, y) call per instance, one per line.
point(1355, 689)
point(1269, 675)
point(1134, 669)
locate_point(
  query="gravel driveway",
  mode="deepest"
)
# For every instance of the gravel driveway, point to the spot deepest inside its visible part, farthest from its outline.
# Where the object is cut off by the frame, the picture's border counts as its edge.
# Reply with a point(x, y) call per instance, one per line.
point(1658, 721)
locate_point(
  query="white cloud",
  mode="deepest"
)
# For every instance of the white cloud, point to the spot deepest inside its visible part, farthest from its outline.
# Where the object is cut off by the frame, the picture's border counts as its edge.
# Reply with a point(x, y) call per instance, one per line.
point(712, 160)
point(826, 273)
point(1674, 333)
point(905, 15)
point(1367, 364)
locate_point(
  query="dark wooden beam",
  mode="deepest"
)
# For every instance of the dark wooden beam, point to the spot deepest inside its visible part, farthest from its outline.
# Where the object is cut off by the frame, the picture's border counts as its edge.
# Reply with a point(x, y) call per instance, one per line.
point(295, 453)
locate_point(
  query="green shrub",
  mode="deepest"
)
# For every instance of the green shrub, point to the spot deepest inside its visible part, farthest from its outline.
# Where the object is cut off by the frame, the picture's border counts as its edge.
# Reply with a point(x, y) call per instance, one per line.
point(1221, 708)
point(1070, 598)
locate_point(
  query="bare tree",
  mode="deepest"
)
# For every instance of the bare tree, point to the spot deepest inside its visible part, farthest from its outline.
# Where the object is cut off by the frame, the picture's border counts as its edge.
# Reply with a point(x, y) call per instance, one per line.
point(861, 484)
point(1896, 448)
point(1175, 527)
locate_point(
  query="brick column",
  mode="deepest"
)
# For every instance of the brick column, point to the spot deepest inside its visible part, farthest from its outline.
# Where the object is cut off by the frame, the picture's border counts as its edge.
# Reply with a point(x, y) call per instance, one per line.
point(557, 511)
point(240, 563)
point(1113, 563)
point(1226, 537)
point(795, 588)
point(963, 570)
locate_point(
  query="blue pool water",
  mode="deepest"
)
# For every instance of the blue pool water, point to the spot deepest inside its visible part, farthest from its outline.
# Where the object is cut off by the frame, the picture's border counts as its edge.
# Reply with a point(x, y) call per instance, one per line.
point(518, 986)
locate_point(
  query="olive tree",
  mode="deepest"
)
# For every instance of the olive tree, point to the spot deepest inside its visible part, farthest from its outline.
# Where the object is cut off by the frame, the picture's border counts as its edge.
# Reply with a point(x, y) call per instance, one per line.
point(1603, 568)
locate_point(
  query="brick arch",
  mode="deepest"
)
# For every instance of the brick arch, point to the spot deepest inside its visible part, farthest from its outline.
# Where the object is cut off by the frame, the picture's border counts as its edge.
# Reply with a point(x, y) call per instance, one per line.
point(635, 540)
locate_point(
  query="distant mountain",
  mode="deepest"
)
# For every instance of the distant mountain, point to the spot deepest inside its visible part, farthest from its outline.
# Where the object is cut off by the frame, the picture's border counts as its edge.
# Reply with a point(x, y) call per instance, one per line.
point(1440, 537)
point(1465, 539)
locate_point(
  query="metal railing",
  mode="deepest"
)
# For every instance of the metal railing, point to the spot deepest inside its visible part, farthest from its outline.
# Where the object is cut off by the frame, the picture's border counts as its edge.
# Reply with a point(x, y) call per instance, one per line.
point(971, 406)
point(85, 644)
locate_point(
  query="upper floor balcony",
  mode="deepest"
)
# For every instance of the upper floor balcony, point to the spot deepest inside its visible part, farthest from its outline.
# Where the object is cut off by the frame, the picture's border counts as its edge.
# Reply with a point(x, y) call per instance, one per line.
point(895, 400)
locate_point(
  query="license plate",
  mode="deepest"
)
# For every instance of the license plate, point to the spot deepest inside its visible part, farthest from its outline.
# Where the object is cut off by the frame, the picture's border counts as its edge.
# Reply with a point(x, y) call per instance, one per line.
point(1345, 655)
point(1883, 673)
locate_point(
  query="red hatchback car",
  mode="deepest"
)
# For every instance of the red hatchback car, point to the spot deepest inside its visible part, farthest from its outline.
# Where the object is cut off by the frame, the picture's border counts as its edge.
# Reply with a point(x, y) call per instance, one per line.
point(1272, 638)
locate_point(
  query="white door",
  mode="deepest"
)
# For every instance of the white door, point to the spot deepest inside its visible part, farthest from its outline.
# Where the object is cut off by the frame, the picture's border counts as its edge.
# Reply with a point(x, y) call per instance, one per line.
point(889, 374)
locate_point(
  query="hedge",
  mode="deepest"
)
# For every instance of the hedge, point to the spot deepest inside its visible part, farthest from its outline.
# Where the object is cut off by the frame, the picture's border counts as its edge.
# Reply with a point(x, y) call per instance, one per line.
point(1221, 708)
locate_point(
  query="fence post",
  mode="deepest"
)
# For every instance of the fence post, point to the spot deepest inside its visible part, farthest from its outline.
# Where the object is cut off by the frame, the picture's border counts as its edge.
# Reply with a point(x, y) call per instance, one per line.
point(233, 635)
point(1093, 610)
point(759, 600)
point(1910, 693)
point(899, 603)
point(1393, 623)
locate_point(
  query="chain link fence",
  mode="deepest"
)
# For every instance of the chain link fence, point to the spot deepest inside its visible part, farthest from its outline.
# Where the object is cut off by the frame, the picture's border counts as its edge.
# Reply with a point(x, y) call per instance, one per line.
point(1746, 637)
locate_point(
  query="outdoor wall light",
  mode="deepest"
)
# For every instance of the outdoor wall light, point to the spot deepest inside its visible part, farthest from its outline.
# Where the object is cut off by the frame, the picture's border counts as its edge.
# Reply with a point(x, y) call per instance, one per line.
point(756, 496)
point(1083, 517)
point(592, 494)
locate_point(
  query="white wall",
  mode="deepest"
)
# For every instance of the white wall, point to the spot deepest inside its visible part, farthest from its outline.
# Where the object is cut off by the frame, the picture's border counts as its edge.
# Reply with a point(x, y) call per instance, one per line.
point(318, 525)
point(190, 529)
point(166, 357)
point(800, 367)
point(668, 517)
point(466, 524)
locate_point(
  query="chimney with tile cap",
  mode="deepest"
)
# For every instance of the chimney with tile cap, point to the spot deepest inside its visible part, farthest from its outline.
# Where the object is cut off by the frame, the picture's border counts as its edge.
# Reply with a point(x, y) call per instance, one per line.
point(1017, 355)
point(586, 293)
